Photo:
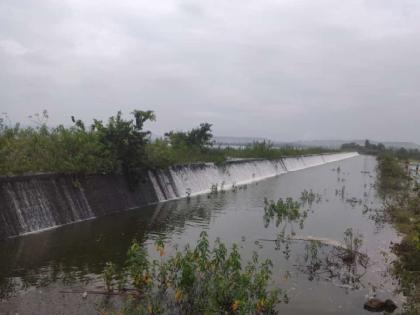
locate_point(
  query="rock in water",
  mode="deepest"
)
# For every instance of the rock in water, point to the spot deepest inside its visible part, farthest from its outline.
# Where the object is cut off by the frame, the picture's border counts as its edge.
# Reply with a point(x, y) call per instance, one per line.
point(377, 305)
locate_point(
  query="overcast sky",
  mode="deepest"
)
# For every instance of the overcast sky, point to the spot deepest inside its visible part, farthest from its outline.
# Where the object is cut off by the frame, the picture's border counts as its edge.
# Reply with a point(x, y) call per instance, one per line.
point(287, 69)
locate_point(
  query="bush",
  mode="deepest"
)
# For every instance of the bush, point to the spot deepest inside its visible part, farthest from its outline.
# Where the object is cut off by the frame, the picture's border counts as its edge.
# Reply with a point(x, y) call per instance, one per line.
point(403, 208)
point(63, 150)
point(126, 142)
point(195, 281)
point(119, 146)
point(391, 174)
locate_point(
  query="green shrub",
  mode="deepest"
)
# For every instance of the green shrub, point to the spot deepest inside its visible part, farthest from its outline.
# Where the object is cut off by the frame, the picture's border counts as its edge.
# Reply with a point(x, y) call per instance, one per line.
point(391, 175)
point(200, 280)
point(119, 146)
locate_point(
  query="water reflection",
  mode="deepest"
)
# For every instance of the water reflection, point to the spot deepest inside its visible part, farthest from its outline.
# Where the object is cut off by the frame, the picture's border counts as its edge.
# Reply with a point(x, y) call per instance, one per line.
point(345, 265)
point(78, 252)
point(285, 212)
point(323, 259)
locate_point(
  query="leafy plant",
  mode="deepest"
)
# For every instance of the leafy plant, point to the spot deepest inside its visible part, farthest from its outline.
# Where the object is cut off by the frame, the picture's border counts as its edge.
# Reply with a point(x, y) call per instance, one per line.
point(352, 243)
point(402, 202)
point(286, 211)
point(391, 175)
point(200, 280)
point(308, 196)
point(126, 141)
point(200, 137)
point(116, 146)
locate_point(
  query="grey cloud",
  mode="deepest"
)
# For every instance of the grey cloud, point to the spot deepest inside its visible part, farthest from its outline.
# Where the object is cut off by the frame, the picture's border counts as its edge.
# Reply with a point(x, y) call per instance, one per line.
point(281, 69)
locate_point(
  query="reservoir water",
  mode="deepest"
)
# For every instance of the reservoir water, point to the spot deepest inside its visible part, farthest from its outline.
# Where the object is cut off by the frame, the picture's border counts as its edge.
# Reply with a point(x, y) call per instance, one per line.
point(37, 271)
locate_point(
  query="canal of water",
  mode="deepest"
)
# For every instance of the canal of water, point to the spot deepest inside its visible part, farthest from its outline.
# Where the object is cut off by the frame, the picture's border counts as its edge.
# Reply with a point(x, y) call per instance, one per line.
point(36, 269)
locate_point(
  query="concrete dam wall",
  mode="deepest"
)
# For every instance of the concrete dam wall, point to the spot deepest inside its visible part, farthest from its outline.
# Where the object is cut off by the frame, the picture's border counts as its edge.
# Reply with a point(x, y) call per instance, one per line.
point(33, 203)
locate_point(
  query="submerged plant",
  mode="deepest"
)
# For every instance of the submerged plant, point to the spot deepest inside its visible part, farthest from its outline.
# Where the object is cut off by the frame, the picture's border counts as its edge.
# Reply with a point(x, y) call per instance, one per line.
point(188, 193)
point(308, 196)
point(214, 189)
point(108, 275)
point(284, 212)
point(352, 243)
point(331, 260)
point(312, 259)
point(222, 187)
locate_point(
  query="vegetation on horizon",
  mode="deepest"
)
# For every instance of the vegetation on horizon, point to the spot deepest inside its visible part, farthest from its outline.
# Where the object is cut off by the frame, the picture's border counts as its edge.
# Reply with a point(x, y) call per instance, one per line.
point(116, 146)
point(380, 150)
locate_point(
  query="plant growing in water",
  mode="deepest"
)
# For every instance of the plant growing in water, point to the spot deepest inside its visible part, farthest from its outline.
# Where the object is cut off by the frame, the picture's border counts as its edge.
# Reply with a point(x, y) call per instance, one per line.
point(342, 262)
point(352, 243)
point(188, 193)
point(214, 189)
point(308, 196)
point(283, 211)
point(200, 280)
point(312, 259)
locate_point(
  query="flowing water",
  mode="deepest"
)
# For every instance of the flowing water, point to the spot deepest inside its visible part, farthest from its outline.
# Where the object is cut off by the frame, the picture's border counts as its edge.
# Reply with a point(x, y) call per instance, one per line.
point(38, 202)
point(36, 269)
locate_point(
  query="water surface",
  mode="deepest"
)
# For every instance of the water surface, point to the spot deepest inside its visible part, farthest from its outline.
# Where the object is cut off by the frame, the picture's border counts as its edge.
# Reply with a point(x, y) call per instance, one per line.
point(35, 269)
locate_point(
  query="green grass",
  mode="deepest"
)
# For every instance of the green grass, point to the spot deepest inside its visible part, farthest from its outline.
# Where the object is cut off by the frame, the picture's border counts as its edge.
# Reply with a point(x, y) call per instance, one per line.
point(63, 150)
point(267, 151)
point(392, 176)
point(403, 206)
point(80, 150)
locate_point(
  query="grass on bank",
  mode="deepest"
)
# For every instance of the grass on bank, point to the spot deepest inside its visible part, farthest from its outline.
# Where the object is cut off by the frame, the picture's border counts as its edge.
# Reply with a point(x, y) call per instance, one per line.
point(118, 145)
point(403, 206)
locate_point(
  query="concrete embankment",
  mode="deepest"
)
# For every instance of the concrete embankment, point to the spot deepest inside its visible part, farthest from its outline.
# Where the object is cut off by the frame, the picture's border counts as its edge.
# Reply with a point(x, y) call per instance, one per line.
point(33, 203)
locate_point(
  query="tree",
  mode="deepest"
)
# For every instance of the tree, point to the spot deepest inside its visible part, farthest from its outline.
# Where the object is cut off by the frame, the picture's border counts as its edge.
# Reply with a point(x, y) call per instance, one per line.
point(125, 140)
point(143, 116)
point(200, 137)
point(177, 139)
point(381, 146)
